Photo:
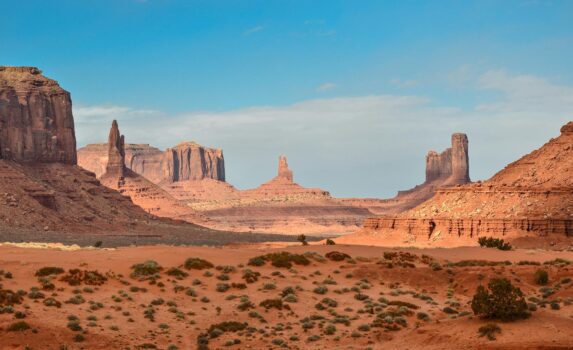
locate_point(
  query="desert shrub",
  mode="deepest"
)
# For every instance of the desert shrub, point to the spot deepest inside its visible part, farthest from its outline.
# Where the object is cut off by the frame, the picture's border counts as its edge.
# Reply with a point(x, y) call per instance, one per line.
point(8, 297)
point(403, 303)
point(197, 264)
point(489, 331)
point(75, 277)
point(227, 326)
point(481, 263)
point(146, 269)
point(273, 303)
point(19, 326)
point(256, 261)
point(49, 270)
point(320, 290)
point(302, 239)
point(280, 259)
point(287, 290)
point(558, 262)
point(541, 277)
point(490, 242)
point(330, 242)
point(98, 244)
point(250, 276)
point(222, 287)
point(337, 256)
point(51, 302)
point(74, 325)
point(422, 316)
point(177, 273)
point(501, 300)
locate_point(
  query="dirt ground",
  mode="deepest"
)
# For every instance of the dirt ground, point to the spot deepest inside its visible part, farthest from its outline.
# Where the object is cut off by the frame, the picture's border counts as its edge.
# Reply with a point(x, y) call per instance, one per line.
point(413, 299)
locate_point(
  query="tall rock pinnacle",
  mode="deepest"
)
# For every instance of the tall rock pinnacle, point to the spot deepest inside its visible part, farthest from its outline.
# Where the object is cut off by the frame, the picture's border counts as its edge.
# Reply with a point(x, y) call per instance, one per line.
point(116, 152)
point(284, 171)
point(460, 159)
point(452, 165)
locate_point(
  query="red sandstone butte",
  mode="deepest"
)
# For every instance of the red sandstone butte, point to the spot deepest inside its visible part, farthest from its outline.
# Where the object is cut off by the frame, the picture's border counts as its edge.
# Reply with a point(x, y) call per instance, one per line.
point(36, 121)
point(529, 202)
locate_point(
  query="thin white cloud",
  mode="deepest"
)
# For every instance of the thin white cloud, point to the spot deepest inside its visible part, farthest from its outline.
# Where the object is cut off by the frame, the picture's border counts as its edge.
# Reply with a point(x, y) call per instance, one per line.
point(253, 30)
point(326, 87)
point(355, 146)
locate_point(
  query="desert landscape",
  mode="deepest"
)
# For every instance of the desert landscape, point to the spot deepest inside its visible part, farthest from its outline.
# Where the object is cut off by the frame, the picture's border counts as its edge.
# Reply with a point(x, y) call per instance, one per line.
point(120, 229)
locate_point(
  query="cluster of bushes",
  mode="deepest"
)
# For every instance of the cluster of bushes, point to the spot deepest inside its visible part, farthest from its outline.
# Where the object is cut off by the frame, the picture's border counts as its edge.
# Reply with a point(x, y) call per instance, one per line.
point(490, 242)
point(75, 277)
point(280, 259)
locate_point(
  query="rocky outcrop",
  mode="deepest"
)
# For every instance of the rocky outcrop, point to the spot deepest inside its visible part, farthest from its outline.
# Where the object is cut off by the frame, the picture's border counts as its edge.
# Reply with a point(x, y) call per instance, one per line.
point(116, 153)
point(284, 172)
point(445, 169)
point(142, 192)
point(186, 161)
point(36, 122)
point(530, 198)
point(451, 167)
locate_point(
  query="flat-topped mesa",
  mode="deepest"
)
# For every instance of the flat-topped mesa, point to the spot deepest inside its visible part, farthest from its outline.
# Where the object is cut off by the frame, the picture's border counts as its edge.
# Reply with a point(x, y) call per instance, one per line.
point(36, 121)
point(116, 153)
point(191, 161)
point(284, 171)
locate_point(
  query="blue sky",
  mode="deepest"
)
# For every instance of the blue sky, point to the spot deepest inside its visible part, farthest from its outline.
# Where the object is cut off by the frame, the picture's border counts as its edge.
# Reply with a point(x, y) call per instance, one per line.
point(353, 92)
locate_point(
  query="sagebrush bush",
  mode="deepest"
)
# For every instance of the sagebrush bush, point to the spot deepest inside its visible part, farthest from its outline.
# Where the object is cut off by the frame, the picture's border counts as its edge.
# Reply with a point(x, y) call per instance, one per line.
point(501, 300)
point(541, 277)
point(491, 242)
point(197, 264)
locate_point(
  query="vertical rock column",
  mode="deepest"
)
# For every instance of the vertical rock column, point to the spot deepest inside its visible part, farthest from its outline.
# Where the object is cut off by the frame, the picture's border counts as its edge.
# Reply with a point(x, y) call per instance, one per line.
point(284, 172)
point(116, 152)
point(460, 159)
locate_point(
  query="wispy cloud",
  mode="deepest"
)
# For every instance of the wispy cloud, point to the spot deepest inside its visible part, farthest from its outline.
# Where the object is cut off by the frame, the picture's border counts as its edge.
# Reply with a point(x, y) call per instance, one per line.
point(326, 87)
point(367, 145)
point(253, 30)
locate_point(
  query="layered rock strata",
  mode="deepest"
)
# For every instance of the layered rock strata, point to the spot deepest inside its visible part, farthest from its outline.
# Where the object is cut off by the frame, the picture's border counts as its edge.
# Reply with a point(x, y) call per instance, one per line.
point(531, 198)
point(36, 121)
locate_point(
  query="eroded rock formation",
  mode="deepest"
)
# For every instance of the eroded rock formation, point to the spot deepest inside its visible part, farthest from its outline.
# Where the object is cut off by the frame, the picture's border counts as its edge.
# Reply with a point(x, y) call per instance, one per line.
point(284, 170)
point(116, 152)
point(186, 161)
point(36, 122)
point(530, 199)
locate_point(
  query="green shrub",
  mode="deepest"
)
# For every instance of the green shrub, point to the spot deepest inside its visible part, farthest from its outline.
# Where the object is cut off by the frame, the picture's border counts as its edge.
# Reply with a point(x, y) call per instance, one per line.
point(541, 277)
point(273, 303)
point(49, 270)
point(489, 331)
point(302, 239)
point(280, 259)
point(500, 301)
point(227, 326)
point(177, 273)
point(490, 242)
point(19, 326)
point(337, 256)
point(145, 269)
point(330, 242)
point(197, 264)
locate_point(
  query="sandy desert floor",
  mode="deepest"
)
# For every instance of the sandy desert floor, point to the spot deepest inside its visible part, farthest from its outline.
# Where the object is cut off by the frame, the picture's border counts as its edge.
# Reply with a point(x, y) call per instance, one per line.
point(377, 298)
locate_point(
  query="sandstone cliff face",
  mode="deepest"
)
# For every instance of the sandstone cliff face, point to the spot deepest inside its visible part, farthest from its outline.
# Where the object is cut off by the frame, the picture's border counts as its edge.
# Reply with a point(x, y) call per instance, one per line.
point(186, 161)
point(530, 198)
point(36, 122)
